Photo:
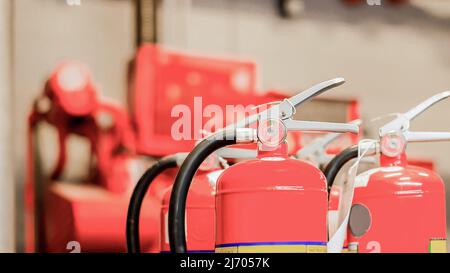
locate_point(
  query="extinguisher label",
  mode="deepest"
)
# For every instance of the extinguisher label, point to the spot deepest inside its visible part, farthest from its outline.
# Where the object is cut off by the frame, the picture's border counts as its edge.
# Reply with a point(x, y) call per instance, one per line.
point(274, 247)
point(438, 246)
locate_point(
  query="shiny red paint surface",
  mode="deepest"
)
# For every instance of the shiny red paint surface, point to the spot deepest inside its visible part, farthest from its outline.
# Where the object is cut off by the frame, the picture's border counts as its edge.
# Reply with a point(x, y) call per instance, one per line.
point(406, 206)
point(271, 199)
point(335, 192)
point(199, 216)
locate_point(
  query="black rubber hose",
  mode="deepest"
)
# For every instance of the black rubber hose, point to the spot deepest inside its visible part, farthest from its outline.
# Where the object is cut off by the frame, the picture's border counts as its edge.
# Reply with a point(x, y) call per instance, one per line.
point(338, 162)
point(177, 205)
point(140, 190)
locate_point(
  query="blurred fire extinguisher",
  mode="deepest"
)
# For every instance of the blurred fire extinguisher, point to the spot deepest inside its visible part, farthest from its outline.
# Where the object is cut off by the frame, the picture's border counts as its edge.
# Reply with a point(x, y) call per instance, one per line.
point(316, 151)
point(70, 104)
point(255, 199)
point(200, 215)
point(396, 207)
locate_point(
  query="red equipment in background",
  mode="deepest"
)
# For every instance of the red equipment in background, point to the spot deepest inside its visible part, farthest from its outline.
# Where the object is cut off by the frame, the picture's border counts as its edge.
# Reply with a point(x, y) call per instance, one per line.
point(56, 212)
point(165, 78)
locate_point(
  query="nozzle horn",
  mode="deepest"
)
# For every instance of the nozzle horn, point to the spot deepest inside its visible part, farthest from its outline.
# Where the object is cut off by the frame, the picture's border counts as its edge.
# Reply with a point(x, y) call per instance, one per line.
point(321, 143)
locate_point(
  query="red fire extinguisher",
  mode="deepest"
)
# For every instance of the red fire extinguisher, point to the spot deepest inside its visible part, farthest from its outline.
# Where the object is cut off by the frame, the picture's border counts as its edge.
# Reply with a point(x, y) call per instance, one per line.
point(68, 90)
point(255, 199)
point(395, 207)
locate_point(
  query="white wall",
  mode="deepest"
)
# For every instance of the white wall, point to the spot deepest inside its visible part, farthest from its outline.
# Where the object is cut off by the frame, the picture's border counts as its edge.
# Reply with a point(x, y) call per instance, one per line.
point(7, 208)
point(392, 58)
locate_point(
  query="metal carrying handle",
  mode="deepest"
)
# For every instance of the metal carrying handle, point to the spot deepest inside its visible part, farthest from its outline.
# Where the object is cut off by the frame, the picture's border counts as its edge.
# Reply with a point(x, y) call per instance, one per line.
point(402, 122)
point(286, 108)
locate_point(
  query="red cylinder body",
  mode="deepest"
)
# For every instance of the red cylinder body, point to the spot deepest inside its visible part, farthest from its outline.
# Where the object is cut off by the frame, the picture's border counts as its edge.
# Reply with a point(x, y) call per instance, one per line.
point(398, 208)
point(271, 204)
point(199, 216)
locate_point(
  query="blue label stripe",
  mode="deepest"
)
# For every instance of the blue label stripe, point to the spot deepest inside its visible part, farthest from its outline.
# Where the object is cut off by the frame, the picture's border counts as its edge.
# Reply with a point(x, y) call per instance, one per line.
point(272, 243)
point(191, 251)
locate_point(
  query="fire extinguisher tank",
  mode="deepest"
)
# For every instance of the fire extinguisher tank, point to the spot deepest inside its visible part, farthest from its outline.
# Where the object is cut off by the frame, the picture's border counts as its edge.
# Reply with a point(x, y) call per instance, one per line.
point(200, 216)
point(411, 199)
point(271, 204)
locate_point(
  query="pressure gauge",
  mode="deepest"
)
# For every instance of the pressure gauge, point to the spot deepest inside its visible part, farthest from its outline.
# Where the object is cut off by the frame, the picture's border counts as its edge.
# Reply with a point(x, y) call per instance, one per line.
point(393, 144)
point(271, 132)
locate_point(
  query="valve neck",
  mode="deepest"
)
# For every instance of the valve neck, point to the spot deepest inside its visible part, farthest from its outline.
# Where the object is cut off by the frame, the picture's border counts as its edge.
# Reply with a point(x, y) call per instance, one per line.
point(396, 161)
point(279, 151)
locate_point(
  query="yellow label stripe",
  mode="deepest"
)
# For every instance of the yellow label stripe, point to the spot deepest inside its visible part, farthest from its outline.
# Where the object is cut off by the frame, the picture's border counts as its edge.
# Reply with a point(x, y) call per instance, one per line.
point(274, 247)
point(438, 246)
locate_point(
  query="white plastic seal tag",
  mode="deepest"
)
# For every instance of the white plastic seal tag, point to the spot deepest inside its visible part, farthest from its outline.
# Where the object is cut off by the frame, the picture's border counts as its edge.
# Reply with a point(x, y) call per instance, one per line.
point(336, 242)
point(213, 177)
